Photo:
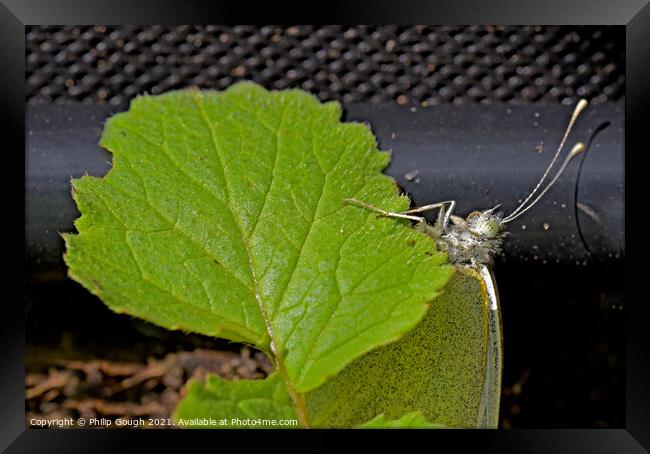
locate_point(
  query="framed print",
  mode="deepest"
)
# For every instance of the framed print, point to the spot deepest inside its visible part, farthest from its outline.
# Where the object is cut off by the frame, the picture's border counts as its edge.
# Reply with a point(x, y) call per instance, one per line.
point(324, 231)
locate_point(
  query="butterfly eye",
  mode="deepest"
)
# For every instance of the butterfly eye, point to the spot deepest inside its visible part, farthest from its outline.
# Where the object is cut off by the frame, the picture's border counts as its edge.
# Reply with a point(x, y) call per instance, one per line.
point(491, 228)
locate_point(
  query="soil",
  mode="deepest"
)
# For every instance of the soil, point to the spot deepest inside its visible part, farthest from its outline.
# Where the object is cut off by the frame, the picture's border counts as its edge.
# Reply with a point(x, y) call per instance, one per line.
point(99, 388)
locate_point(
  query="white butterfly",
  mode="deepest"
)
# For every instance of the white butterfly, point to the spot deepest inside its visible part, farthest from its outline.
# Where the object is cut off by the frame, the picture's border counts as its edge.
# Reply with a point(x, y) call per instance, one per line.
point(471, 243)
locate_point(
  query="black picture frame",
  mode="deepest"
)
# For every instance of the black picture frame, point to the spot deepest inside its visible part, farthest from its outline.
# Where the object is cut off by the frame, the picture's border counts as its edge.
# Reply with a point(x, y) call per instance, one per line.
point(634, 14)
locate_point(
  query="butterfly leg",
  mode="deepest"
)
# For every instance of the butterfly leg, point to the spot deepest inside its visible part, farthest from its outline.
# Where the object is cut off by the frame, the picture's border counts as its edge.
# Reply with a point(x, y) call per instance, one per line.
point(389, 214)
point(443, 215)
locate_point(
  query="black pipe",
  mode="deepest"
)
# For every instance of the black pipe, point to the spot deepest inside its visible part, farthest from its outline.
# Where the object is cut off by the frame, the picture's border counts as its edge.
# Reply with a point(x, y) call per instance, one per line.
point(478, 155)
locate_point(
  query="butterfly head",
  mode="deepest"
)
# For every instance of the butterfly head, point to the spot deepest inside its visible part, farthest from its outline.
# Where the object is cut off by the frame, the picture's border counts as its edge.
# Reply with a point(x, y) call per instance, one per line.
point(485, 224)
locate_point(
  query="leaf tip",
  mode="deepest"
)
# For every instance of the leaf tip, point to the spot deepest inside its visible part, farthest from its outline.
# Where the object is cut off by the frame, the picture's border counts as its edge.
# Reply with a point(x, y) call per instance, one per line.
point(334, 108)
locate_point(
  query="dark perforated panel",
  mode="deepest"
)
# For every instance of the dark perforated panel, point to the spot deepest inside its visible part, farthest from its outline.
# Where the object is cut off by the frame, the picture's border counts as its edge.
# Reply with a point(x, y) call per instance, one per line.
point(365, 63)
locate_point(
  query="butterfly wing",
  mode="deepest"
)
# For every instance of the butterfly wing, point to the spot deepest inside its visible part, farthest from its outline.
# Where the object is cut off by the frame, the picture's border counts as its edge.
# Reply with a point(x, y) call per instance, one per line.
point(490, 398)
point(448, 367)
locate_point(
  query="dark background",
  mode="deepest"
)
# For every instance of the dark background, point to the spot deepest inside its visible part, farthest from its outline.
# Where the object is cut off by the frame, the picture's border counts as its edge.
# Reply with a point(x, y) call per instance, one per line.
point(431, 64)
point(564, 345)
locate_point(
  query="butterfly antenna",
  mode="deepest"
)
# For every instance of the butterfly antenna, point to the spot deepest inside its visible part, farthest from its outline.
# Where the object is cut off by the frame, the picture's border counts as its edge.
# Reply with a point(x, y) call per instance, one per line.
point(582, 105)
point(575, 151)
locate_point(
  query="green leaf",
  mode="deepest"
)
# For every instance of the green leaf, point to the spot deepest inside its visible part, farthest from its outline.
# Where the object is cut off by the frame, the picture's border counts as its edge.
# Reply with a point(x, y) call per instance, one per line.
point(413, 420)
point(437, 369)
point(223, 404)
point(223, 215)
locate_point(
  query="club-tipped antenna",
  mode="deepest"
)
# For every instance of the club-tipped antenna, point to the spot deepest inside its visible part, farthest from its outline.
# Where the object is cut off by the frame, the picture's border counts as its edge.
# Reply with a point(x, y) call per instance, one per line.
point(575, 151)
point(582, 105)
